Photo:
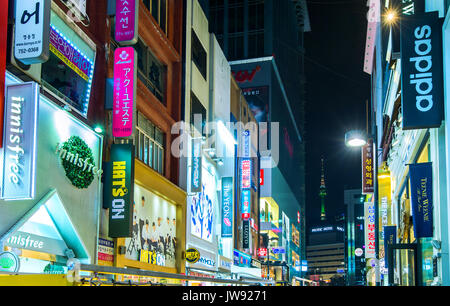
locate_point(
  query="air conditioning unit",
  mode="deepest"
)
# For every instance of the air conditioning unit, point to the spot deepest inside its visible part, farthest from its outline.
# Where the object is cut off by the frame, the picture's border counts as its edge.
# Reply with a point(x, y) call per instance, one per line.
point(25, 72)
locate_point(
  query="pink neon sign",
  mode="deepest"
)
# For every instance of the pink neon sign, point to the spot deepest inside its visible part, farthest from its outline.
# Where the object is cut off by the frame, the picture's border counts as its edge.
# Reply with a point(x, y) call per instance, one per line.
point(124, 91)
point(126, 28)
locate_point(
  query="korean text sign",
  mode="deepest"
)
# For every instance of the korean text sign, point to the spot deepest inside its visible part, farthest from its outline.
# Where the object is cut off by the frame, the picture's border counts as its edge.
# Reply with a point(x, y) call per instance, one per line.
point(367, 167)
point(369, 229)
point(31, 33)
point(126, 27)
point(125, 70)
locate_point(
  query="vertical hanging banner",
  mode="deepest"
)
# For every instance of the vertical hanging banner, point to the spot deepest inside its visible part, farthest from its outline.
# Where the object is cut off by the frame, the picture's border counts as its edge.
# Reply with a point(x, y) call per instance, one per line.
point(125, 72)
point(367, 167)
point(245, 204)
point(246, 234)
point(390, 234)
point(384, 206)
point(246, 173)
point(20, 141)
point(121, 190)
point(126, 24)
point(32, 30)
point(373, 18)
point(227, 207)
point(421, 180)
point(369, 229)
point(196, 165)
point(422, 73)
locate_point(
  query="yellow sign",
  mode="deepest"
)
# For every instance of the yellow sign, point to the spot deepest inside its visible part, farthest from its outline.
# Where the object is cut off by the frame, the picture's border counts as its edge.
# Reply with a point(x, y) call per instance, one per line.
point(192, 255)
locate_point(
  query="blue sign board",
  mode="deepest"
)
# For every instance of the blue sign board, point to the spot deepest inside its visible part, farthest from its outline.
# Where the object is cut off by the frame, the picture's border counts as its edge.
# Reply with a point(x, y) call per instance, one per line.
point(421, 179)
point(196, 166)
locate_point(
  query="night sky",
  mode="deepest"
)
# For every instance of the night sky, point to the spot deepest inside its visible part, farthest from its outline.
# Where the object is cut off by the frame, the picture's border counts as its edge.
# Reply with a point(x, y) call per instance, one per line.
point(336, 91)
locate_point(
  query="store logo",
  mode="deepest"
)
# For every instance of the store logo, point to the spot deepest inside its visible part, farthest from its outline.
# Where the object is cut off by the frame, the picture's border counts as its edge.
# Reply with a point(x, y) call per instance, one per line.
point(25, 242)
point(192, 255)
point(245, 75)
point(78, 162)
point(423, 79)
point(9, 262)
point(119, 189)
point(207, 262)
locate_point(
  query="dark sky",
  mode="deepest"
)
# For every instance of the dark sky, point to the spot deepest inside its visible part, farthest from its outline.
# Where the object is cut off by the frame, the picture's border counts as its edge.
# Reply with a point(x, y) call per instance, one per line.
point(336, 91)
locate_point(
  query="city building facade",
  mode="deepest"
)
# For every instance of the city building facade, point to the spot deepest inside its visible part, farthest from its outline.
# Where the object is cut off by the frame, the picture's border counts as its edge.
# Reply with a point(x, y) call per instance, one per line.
point(412, 140)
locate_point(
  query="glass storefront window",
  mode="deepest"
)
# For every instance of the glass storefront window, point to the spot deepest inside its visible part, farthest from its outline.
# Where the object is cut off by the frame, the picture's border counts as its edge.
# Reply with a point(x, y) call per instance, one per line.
point(427, 261)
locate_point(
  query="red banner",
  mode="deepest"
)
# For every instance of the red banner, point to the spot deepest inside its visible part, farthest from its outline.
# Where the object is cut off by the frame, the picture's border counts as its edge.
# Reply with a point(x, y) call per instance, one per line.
point(367, 167)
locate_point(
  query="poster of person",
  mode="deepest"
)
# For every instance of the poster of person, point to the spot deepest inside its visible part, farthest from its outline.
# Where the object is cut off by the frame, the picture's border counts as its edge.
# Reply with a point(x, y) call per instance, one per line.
point(202, 208)
point(258, 101)
point(154, 230)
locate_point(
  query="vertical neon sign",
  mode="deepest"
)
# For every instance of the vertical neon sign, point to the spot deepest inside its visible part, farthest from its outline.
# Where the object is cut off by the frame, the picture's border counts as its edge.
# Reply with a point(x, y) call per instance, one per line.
point(124, 91)
point(126, 28)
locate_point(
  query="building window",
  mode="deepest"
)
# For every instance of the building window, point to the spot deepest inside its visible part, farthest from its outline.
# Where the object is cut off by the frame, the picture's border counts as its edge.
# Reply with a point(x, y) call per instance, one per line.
point(158, 9)
point(151, 71)
point(235, 47)
point(198, 54)
point(198, 109)
point(150, 144)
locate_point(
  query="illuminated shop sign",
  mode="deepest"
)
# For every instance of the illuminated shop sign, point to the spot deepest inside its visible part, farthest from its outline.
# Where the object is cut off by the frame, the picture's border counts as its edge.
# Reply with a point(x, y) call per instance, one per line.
point(19, 141)
point(369, 229)
point(227, 207)
point(196, 166)
point(126, 27)
point(245, 204)
point(279, 250)
point(207, 262)
point(120, 192)
point(246, 234)
point(246, 143)
point(262, 252)
point(241, 259)
point(78, 162)
point(422, 73)
point(246, 170)
point(321, 229)
point(192, 255)
point(152, 257)
point(31, 34)
point(367, 167)
point(125, 72)
point(29, 241)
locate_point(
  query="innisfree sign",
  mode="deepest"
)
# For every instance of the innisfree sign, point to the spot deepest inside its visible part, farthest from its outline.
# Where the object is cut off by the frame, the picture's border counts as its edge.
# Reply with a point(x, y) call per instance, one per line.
point(78, 162)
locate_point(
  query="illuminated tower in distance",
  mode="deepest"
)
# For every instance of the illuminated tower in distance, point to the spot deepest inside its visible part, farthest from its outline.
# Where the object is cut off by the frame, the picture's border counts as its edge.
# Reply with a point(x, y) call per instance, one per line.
point(322, 195)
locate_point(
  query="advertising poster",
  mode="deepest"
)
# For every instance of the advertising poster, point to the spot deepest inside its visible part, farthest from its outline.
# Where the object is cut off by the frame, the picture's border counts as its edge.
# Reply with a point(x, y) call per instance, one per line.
point(202, 208)
point(154, 229)
point(258, 101)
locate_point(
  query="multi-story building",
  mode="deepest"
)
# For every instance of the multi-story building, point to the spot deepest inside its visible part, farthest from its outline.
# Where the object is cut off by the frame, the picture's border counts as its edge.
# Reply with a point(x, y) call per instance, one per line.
point(263, 40)
point(152, 236)
point(51, 156)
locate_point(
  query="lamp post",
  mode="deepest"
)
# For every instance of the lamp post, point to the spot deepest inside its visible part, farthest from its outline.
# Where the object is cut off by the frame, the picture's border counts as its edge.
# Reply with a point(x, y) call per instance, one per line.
point(356, 138)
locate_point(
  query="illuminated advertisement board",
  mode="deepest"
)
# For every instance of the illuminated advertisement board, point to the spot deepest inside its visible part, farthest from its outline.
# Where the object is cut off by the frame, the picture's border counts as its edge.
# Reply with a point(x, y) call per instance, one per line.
point(19, 141)
point(154, 229)
point(246, 173)
point(202, 208)
point(369, 229)
point(125, 72)
point(31, 33)
point(227, 207)
point(120, 192)
point(126, 26)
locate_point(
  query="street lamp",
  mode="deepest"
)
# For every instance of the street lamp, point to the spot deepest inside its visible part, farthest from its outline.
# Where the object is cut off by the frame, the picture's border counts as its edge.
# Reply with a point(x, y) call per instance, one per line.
point(356, 138)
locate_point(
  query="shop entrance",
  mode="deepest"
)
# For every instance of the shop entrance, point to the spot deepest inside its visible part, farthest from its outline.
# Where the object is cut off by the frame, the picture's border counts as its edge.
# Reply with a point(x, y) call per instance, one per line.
point(403, 265)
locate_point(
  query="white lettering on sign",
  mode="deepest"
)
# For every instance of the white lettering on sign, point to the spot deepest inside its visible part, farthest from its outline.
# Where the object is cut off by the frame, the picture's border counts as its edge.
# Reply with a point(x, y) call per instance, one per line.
point(15, 139)
point(25, 242)
point(83, 164)
point(423, 79)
